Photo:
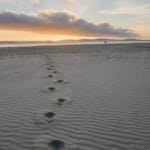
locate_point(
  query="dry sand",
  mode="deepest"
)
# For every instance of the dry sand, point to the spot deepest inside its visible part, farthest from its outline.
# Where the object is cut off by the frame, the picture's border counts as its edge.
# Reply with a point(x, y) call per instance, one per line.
point(89, 97)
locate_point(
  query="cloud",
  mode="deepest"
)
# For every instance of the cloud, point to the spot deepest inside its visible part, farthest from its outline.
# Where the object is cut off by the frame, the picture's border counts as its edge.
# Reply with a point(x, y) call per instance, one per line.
point(135, 9)
point(68, 1)
point(60, 23)
point(35, 2)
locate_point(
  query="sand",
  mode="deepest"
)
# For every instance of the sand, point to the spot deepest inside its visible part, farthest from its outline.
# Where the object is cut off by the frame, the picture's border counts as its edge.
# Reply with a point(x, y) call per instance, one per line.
point(97, 97)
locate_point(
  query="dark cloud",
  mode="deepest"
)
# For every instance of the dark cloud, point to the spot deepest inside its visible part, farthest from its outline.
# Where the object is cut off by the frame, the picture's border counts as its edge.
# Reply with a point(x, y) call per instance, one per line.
point(55, 22)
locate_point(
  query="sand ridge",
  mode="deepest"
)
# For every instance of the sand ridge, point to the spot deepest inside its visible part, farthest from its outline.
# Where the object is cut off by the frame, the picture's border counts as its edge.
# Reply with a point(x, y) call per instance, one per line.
point(46, 117)
point(104, 105)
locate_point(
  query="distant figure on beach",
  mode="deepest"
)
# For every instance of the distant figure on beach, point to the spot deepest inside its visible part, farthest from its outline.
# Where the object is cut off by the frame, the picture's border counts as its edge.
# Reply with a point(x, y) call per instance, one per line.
point(105, 42)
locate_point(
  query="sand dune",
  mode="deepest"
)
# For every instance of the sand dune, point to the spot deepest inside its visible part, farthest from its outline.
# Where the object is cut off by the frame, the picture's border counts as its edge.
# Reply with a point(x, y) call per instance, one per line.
point(96, 97)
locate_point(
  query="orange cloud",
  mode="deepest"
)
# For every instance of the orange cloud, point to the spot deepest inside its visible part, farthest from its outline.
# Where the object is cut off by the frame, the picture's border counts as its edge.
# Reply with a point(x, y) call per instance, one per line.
point(143, 31)
point(68, 1)
point(35, 2)
point(59, 23)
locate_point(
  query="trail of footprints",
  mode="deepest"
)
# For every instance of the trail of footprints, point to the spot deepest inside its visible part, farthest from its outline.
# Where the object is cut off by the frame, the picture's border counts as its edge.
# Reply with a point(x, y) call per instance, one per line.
point(46, 117)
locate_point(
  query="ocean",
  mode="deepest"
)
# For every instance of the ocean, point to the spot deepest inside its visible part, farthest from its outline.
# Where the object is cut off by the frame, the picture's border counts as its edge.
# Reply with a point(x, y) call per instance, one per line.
point(28, 44)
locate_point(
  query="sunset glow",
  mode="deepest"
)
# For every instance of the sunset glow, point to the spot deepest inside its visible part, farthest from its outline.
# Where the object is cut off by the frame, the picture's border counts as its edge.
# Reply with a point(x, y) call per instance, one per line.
point(37, 20)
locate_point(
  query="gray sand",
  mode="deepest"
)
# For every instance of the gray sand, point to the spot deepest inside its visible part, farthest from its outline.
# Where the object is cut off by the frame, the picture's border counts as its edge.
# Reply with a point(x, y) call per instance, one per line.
point(108, 96)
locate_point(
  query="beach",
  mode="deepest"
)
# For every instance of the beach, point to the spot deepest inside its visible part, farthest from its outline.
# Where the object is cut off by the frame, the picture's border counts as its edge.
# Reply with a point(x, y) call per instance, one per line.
point(75, 97)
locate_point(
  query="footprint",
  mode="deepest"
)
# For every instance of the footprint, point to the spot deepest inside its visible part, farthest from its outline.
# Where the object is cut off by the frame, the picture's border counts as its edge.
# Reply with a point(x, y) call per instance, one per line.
point(50, 76)
point(61, 101)
point(49, 89)
point(47, 142)
point(55, 71)
point(48, 68)
point(62, 81)
point(16, 72)
point(49, 116)
point(44, 117)
point(52, 66)
point(56, 145)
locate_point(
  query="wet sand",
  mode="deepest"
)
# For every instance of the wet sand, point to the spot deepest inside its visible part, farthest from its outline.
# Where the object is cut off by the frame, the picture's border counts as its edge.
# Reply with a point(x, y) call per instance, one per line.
point(87, 97)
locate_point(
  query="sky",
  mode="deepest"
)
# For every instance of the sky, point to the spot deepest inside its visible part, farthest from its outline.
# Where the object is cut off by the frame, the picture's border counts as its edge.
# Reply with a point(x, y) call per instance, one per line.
point(46, 20)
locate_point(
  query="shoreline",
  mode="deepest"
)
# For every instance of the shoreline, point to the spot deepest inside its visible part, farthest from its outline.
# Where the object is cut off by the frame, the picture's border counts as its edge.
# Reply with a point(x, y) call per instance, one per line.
point(4, 51)
point(35, 44)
